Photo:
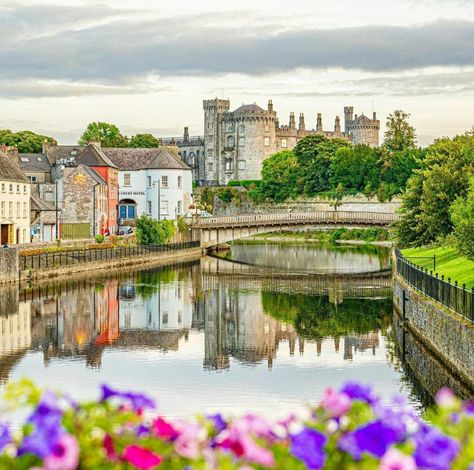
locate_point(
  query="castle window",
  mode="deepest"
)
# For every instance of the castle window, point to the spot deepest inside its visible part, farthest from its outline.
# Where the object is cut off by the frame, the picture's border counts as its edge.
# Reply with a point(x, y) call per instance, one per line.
point(230, 126)
point(229, 165)
point(210, 166)
point(241, 141)
point(267, 128)
point(230, 141)
point(242, 129)
point(242, 165)
point(210, 145)
point(266, 141)
point(284, 143)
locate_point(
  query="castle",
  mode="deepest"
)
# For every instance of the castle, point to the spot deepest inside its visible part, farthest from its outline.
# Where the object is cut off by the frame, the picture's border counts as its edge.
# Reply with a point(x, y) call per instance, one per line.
point(235, 143)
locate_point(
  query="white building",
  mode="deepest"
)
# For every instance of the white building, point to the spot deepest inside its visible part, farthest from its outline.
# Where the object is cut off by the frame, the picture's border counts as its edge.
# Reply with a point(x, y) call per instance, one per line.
point(152, 181)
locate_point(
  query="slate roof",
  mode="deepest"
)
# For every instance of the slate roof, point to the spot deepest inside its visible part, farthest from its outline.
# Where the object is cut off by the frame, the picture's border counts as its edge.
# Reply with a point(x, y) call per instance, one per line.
point(145, 159)
point(249, 108)
point(363, 119)
point(59, 152)
point(38, 204)
point(94, 156)
point(10, 171)
point(32, 162)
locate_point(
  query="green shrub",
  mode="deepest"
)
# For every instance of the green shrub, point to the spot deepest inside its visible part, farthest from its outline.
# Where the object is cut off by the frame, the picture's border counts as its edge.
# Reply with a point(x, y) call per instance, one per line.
point(99, 238)
point(154, 232)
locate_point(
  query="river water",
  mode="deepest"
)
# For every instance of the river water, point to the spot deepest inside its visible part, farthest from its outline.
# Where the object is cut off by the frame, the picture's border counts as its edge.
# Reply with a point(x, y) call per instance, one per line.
point(263, 331)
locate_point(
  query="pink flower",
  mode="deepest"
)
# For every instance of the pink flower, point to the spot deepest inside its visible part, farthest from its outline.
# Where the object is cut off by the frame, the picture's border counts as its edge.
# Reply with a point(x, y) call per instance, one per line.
point(65, 455)
point(251, 424)
point(164, 429)
point(108, 445)
point(396, 460)
point(141, 458)
point(336, 403)
point(445, 398)
point(187, 444)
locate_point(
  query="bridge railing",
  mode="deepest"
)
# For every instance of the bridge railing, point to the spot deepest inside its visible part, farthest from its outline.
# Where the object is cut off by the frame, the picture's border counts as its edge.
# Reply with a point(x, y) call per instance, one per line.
point(332, 217)
point(453, 296)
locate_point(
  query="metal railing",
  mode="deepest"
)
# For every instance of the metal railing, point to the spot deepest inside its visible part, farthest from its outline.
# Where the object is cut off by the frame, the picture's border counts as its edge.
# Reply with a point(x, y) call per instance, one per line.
point(57, 259)
point(331, 217)
point(455, 297)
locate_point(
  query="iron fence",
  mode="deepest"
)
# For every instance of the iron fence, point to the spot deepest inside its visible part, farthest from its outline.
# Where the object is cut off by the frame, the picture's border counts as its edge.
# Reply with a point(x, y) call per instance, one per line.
point(456, 297)
point(60, 258)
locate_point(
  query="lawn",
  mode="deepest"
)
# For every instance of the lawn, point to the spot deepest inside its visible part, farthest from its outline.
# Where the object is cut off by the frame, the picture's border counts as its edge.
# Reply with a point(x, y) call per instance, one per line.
point(448, 262)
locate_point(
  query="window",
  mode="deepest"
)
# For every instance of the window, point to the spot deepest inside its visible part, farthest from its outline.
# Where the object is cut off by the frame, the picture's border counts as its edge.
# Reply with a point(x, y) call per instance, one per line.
point(18, 209)
point(24, 159)
point(164, 181)
point(230, 126)
point(40, 159)
point(229, 165)
point(242, 165)
point(241, 141)
point(17, 188)
point(242, 129)
point(230, 141)
point(3, 209)
point(180, 207)
point(180, 178)
point(3, 187)
point(11, 188)
point(24, 210)
point(148, 207)
point(10, 209)
point(267, 128)
point(210, 166)
point(33, 179)
point(165, 318)
point(266, 141)
point(24, 188)
point(164, 207)
point(210, 153)
point(184, 154)
point(126, 179)
point(210, 145)
point(284, 143)
point(149, 181)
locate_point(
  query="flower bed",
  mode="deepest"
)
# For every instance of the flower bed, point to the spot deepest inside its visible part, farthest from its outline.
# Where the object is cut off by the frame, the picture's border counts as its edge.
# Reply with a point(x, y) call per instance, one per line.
point(349, 429)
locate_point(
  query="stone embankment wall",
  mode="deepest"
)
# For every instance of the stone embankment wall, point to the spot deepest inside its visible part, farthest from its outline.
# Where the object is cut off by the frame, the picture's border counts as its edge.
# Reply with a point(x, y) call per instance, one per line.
point(9, 265)
point(448, 336)
point(358, 203)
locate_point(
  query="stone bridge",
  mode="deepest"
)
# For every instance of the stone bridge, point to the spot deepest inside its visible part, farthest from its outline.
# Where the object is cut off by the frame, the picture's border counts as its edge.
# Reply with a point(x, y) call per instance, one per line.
point(216, 230)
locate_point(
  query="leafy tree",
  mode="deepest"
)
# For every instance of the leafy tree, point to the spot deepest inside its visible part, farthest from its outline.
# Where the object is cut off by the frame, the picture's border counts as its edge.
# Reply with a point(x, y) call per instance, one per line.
point(442, 178)
point(400, 135)
point(144, 141)
point(315, 154)
point(154, 232)
point(107, 134)
point(25, 141)
point(280, 177)
point(462, 217)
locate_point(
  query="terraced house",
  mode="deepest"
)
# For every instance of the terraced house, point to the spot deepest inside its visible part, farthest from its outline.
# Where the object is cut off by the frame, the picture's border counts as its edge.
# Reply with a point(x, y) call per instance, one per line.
point(14, 203)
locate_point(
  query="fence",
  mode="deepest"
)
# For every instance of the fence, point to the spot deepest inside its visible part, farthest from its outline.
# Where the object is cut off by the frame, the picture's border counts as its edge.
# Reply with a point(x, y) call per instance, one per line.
point(57, 259)
point(455, 297)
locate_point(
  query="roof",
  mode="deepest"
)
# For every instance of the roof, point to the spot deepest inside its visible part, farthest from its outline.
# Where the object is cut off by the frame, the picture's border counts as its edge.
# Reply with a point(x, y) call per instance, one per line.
point(93, 174)
point(362, 119)
point(10, 171)
point(92, 155)
point(144, 159)
point(59, 152)
point(32, 162)
point(38, 204)
point(249, 108)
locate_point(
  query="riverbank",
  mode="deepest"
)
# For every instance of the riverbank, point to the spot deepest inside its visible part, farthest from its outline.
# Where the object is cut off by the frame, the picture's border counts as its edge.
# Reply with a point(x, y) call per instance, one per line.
point(278, 239)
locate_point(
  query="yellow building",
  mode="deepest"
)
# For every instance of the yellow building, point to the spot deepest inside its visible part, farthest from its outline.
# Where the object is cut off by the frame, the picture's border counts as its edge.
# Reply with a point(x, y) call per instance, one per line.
point(15, 193)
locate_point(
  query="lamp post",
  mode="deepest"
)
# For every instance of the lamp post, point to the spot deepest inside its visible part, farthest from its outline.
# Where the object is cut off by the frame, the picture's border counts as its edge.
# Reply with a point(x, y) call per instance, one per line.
point(157, 184)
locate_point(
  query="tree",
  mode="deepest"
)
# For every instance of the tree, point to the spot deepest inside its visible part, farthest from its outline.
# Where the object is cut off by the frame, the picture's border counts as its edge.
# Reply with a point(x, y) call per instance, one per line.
point(25, 141)
point(144, 141)
point(280, 176)
point(154, 232)
point(400, 135)
point(107, 134)
point(462, 217)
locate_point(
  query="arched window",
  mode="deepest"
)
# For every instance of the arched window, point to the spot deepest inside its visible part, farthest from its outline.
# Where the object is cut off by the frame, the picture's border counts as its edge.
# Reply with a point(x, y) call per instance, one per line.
point(230, 141)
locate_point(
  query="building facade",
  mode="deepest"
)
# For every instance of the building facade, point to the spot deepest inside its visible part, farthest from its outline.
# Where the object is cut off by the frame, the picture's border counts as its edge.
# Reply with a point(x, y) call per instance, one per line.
point(15, 191)
point(235, 143)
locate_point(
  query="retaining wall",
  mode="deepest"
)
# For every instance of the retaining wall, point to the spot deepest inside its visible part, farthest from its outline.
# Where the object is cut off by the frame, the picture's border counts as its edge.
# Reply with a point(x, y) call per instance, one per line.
point(9, 265)
point(447, 335)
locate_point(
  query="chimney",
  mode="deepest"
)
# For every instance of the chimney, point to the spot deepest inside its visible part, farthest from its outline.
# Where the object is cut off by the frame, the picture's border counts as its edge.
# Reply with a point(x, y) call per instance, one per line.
point(319, 123)
point(4, 149)
point(374, 116)
point(186, 134)
point(292, 121)
point(46, 146)
point(301, 125)
point(12, 151)
point(337, 125)
point(96, 144)
point(270, 106)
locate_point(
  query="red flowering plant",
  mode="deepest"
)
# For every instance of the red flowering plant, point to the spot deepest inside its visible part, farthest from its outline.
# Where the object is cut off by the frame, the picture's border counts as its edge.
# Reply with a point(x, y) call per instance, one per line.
point(349, 429)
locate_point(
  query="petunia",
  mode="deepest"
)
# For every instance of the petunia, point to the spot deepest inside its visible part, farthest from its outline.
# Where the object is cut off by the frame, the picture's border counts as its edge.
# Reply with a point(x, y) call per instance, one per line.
point(141, 458)
point(397, 460)
point(187, 444)
point(5, 436)
point(219, 422)
point(357, 391)
point(445, 398)
point(109, 448)
point(434, 450)
point(164, 429)
point(41, 441)
point(336, 403)
point(308, 446)
point(138, 401)
point(65, 454)
point(375, 438)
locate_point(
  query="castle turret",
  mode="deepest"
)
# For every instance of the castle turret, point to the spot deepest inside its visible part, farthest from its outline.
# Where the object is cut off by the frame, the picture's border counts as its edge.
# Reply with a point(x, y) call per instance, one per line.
point(186, 135)
point(301, 123)
point(292, 121)
point(348, 118)
point(319, 123)
point(270, 106)
point(337, 125)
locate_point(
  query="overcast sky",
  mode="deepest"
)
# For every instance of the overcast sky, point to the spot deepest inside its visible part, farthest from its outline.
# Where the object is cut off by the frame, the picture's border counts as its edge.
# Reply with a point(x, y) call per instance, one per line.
point(146, 65)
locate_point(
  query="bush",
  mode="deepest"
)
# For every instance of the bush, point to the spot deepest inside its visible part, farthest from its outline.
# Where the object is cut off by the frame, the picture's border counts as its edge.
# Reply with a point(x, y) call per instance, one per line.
point(99, 238)
point(350, 428)
point(154, 232)
point(462, 217)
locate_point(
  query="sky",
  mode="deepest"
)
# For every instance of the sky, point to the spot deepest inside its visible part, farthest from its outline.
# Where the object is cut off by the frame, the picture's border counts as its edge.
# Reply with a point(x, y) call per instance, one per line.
point(147, 65)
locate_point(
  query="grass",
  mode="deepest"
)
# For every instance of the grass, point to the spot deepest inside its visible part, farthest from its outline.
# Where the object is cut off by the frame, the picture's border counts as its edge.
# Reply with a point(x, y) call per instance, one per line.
point(449, 262)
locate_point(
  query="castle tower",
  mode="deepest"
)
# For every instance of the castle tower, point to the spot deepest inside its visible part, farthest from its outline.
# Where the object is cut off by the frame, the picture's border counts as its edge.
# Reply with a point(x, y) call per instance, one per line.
point(348, 117)
point(301, 126)
point(186, 135)
point(292, 121)
point(365, 131)
point(337, 126)
point(319, 123)
point(213, 138)
point(270, 106)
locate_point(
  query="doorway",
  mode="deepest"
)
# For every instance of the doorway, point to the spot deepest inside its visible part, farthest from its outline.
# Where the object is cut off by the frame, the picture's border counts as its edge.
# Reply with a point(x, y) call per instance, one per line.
point(4, 234)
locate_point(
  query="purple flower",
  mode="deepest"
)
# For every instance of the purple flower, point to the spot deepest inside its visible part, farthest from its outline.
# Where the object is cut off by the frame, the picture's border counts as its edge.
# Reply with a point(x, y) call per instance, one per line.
point(5, 436)
point(347, 442)
point(435, 450)
point(219, 422)
point(357, 391)
point(138, 401)
point(308, 446)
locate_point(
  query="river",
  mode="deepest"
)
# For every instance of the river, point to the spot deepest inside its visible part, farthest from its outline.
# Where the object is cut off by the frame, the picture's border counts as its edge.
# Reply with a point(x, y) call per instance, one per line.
point(267, 330)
